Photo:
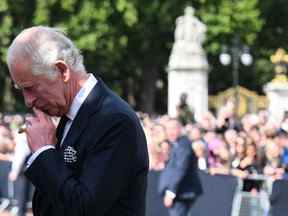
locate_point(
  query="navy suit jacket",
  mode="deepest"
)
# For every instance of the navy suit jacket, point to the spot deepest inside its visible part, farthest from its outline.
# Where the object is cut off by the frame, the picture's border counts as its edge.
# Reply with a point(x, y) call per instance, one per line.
point(109, 176)
point(180, 175)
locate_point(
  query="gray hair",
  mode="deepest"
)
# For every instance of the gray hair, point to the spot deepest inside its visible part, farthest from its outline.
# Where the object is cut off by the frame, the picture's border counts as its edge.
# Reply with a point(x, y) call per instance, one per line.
point(44, 48)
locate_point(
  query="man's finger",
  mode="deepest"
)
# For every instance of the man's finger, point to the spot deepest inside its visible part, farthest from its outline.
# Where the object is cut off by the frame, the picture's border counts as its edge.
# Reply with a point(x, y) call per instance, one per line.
point(30, 120)
point(39, 114)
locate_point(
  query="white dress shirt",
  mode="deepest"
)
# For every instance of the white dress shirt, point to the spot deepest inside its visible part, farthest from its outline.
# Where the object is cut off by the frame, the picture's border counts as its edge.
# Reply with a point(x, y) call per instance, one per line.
point(73, 110)
point(21, 152)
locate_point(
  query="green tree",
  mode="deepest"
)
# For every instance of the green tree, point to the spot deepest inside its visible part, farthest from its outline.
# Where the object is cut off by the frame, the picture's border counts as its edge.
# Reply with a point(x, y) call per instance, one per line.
point(273, 35)
point(95, 26)
point(224, 19)
point(128, 42)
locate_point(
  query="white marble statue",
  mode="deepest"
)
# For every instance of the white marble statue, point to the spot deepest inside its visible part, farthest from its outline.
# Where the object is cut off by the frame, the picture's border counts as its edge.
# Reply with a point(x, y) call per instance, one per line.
point(189, 36)
point(189, 29)
point(188, 66)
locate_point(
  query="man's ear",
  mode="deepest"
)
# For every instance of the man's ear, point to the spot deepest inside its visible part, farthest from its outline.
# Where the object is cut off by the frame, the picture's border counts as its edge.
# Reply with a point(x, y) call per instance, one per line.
point(64, 70)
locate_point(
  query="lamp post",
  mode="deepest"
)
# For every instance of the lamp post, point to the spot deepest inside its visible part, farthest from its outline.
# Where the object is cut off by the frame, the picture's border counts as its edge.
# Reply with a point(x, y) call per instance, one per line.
point(236, 54)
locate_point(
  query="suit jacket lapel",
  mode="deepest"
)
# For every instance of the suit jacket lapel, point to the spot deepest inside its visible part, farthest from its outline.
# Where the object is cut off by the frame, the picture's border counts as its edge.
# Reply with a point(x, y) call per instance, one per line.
point(91, 104)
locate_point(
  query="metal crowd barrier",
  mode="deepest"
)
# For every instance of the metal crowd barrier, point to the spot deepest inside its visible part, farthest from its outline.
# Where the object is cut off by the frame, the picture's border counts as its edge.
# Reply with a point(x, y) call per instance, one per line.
point(279, 198)
point(226, 195)
point(252, 200)
point(11, 192)
point(218, 193)
point(222, 196)
point(5, 186)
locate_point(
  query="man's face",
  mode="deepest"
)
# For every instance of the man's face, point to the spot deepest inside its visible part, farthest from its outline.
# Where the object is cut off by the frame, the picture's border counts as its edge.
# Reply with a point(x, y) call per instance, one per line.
point(173, 130)
point(39, 91)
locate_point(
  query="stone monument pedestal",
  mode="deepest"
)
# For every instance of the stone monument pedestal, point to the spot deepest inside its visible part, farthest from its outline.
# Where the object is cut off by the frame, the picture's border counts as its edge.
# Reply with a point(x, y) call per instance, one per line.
point(277, 94)
point(188, 66)
point(194, 84)
point(277, 89)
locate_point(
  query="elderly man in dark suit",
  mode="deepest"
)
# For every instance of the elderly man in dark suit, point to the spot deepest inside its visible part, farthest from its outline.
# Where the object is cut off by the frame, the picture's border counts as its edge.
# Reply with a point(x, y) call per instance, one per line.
point(97, 162)
point(179, 183)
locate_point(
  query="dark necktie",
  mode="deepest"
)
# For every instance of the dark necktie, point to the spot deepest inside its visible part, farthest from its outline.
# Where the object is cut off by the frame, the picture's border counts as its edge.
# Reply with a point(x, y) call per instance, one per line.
point(60, 130)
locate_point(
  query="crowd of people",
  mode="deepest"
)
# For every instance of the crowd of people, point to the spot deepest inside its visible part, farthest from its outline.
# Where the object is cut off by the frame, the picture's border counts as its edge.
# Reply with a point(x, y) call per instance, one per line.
point(254, 144)
point(14, 151)
point(9, 136)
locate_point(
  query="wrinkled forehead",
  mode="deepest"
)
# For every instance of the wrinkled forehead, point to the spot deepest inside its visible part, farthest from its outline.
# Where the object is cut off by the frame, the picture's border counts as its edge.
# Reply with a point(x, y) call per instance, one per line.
point(18, 59)
point(20, 73)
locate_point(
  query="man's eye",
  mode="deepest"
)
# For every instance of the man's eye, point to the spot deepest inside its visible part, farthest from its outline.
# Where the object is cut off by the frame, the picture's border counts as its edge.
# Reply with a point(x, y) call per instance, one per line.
point(28, 88)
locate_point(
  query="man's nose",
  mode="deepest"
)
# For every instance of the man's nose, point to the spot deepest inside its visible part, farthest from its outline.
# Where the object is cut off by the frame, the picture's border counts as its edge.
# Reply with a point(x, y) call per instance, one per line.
point(29, 98)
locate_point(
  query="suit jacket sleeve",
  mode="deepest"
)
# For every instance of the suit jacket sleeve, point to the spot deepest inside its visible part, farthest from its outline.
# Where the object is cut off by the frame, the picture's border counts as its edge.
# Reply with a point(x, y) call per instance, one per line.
point(106, 170)
point(181, 164)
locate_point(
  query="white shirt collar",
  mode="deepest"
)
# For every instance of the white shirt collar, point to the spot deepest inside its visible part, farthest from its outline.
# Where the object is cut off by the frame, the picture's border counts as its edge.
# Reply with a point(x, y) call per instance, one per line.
point(81, 96)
